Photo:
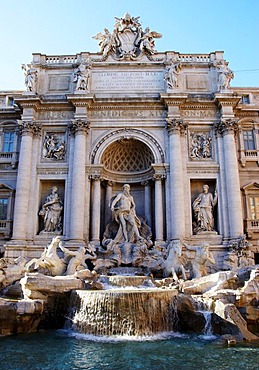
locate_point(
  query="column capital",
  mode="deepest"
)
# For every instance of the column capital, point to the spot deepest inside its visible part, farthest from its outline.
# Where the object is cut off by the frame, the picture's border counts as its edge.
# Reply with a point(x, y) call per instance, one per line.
point(29, 127)
point(159, 176)
point(96, 173)
point(80, 126)
point(175, 125)
point(226, 125)
point(110, 183)
point(145, 183)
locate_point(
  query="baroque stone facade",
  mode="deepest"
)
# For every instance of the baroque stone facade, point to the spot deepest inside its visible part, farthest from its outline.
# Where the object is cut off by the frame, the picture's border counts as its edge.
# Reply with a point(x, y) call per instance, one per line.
point(164, 122)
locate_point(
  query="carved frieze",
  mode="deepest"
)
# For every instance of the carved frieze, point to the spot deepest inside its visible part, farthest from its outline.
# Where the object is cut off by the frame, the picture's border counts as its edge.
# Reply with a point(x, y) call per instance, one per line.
point(200, 145)
point(126, 113)
point(199, 113)
point(51, 114)
point(54, 146)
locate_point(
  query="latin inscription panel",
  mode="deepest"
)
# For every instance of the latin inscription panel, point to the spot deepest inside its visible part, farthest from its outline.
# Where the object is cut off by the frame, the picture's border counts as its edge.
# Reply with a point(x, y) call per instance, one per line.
point(127, 81)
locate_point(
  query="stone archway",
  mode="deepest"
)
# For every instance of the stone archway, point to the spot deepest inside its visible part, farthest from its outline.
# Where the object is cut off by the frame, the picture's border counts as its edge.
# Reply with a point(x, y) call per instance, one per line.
point(129, 156)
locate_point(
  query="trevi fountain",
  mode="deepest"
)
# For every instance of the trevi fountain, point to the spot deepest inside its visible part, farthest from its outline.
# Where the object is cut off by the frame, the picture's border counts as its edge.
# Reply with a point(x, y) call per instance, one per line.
point(134, 289)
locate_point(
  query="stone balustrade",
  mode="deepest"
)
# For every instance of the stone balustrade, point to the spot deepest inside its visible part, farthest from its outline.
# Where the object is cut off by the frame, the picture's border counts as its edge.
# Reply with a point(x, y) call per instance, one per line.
point(6, 227)
point(68, 59)
point(195, 58)
point(251, 226)
point(249, 156)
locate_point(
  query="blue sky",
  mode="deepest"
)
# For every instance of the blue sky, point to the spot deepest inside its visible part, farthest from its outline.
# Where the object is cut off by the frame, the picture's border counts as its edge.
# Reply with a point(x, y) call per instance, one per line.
point(63, 27)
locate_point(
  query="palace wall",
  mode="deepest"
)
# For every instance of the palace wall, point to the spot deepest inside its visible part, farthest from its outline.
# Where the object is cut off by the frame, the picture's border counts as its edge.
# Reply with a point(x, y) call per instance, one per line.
point(162, 122)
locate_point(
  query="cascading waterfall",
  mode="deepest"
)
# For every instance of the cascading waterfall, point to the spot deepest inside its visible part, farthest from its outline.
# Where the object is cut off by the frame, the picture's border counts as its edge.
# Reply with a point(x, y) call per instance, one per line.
point(204, 307)
point(207, 331)
point(124, 312)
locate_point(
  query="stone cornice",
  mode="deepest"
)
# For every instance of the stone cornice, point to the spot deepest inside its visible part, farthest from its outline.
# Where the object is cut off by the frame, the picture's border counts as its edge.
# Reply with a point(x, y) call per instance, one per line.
point(81, 100)
point(174, 99)
point(29, 101)
point(227, 100)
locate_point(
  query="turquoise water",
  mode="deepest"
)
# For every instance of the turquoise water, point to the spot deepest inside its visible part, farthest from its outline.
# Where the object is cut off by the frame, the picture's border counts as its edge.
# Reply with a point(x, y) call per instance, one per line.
point(61, 350)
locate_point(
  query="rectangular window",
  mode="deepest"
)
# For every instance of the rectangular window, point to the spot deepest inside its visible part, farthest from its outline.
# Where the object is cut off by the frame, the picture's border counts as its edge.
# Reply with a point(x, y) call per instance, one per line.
point(249, 142)
point(245, 99)
point(8, 142)
point(3, 208)
point(254, 207)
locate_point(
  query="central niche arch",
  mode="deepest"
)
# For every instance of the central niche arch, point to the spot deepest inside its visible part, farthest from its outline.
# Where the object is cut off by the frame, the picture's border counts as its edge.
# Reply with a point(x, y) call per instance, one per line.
point(127, 155)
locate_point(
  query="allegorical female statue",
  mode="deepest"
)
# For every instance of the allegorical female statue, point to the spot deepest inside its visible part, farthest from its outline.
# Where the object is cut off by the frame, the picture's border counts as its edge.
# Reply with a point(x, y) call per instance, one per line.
point(203, 209)
point(51, 212)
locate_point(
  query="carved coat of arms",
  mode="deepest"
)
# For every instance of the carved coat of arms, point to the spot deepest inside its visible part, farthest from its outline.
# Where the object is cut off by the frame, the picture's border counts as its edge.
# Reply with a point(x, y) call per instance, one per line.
point(128, 40)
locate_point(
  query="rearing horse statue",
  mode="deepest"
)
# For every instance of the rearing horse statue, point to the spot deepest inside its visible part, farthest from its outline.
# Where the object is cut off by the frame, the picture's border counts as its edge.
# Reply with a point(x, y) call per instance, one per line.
point(173, 264)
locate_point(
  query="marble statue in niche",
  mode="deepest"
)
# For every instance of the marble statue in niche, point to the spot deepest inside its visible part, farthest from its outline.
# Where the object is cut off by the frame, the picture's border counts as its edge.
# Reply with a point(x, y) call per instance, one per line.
point(51, 212)
point(124, 207)
point(203, 210)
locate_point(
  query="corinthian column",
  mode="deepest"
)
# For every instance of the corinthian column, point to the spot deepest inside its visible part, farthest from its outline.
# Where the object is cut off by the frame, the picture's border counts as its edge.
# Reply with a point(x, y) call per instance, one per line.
point(175, 128)
point(80, 129)
point(227, 128)
point(96, 208)
point(159, 214)
point(108, 197)
point(21, 207)
point(146, 184)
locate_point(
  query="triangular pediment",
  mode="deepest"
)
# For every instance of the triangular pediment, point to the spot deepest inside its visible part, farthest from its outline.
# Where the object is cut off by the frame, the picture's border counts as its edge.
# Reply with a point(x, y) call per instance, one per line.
point(6, 188)
point(251, 186)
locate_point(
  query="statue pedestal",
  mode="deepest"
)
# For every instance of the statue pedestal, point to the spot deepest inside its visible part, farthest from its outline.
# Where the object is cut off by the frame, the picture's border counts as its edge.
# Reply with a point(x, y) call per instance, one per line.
point(207, 233)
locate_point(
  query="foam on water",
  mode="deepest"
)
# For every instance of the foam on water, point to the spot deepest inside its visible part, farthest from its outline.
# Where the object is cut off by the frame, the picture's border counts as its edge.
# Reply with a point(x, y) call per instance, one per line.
point(123, 338)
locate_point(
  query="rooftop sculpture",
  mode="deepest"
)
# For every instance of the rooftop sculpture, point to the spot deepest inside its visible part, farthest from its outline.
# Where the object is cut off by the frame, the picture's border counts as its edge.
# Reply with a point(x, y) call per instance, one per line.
point(128, 40)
